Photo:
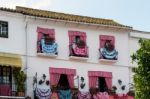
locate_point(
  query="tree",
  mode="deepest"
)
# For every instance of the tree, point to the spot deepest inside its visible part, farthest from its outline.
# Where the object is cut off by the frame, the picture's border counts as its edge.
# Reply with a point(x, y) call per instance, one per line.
point(142, 72)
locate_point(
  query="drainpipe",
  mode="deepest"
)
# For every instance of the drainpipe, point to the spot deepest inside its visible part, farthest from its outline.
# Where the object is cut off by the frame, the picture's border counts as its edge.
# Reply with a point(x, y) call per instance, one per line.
point(26, 52)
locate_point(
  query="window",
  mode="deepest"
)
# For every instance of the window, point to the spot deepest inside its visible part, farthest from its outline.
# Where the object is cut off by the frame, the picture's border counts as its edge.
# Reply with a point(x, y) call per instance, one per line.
point(4, 29)
point(77, 44)
point(102, 84)
point(5, 75)
point(77, 39)
point(106, 38)
point(107, 47)
point(75, 36)
point(63, 82)
point(46, 41)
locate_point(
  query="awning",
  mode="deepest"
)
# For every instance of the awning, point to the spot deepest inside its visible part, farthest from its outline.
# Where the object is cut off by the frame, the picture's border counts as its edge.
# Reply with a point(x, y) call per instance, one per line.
point(8, 59)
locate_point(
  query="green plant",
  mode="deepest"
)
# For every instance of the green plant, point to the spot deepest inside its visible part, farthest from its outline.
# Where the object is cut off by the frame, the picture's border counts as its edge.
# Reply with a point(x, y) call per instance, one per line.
point(119, 81)
point(113, 91)
point(131, 93)
point(20, 78)
point(142, 72)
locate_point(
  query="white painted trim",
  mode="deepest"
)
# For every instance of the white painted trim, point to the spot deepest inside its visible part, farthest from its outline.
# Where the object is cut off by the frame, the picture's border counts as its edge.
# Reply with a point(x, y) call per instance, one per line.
point(139, 35)
point(107, 60)
point(47, 55)
point(78, 58)
point(11, 97)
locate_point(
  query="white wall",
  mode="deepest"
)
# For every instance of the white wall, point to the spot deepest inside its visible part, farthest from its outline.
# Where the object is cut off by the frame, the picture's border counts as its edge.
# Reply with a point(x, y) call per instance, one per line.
point(61, 35)
point(134, 46)
point(17, 40)
point(41, 64)
point(15, 43)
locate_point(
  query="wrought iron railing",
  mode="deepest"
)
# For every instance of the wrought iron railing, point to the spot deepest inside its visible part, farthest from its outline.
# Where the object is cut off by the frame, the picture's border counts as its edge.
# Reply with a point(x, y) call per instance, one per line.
point(80, 52)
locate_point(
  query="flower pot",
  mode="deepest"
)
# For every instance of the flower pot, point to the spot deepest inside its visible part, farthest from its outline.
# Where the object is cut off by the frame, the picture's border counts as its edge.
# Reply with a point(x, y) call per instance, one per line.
point(130, 97)
point(21, 94)
point(111, 97)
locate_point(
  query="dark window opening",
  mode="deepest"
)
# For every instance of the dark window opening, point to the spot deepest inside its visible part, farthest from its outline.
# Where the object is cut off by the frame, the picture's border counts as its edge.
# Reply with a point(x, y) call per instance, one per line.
point(77, 39)
point(5, 80)
point(102, 84)
point(63, 82)
point(108, 45)
point(5, 75)
point(4, 29)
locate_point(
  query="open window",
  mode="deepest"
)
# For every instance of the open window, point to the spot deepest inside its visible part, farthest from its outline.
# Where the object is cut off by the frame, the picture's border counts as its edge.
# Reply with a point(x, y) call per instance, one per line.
point(63, 82)
point(107, 48)
point(101, 80)
point(62, 77)
point(102, 84)
point(77, 44)
point(46, 41)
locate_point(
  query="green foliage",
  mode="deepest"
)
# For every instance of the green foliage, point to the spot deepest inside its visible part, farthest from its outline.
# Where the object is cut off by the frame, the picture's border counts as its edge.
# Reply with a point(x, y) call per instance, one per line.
point(20, 78)
point(142, 72)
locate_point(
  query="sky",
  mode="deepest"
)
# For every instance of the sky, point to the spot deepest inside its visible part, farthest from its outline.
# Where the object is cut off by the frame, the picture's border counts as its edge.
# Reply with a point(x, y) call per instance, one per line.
point(135, 13)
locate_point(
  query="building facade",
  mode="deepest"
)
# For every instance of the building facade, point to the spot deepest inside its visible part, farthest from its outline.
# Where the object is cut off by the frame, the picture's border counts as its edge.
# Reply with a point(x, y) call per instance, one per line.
point(90, 52)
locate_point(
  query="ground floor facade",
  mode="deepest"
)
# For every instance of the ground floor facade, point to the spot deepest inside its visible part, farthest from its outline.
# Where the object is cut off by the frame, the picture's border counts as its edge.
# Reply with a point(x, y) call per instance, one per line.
point(44, 74)
point(79, 74)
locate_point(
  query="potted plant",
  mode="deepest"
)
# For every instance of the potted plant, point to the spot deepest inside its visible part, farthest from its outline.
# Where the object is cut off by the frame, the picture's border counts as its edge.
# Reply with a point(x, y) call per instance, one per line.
point(131, 92)
point(112, 92)
point(20, 78)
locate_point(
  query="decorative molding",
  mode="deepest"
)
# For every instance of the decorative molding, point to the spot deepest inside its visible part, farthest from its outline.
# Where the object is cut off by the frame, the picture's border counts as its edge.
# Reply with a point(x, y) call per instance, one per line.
point(107, 60)
point(78, 58)
point(47, 55)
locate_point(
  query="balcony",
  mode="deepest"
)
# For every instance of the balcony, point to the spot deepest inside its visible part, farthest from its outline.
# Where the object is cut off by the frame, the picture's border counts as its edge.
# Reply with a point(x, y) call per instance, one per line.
point(48, 49)
point(9, 91)
point(108, 56)
point(79, 53)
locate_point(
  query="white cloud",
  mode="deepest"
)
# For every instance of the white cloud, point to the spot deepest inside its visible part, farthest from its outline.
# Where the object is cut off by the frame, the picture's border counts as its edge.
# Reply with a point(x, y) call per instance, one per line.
point(125, 11)
point(39, 4)
point(12, 3)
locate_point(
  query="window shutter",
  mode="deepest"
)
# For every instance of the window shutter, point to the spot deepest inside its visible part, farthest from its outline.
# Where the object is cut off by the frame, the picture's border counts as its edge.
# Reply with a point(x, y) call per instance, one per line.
point(71, 37)
point(41, 32)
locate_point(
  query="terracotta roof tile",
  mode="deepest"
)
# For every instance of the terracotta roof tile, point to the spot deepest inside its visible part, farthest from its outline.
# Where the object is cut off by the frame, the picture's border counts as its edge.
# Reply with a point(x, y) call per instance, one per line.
point(63, 16)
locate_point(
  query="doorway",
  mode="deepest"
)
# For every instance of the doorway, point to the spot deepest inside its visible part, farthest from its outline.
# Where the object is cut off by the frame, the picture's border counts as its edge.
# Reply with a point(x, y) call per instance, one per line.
point(102, 84)
point(63, 82)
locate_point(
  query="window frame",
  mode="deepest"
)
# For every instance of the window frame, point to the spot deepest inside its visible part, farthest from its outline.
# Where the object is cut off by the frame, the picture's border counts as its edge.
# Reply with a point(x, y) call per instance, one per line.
point(104, 38)
point(5, 75)
point(4, 35)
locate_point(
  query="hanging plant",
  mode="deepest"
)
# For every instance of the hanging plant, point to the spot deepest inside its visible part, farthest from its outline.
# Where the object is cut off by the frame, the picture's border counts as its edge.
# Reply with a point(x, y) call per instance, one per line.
point(114, 88)
point(47, 82)
point(82, 85)
point(44, 77)
point(40, 82)
point(119, 81)
point(123, 87)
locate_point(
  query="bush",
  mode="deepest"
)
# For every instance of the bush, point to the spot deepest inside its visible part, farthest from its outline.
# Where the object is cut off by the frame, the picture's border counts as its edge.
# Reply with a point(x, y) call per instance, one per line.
point(142, 72)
